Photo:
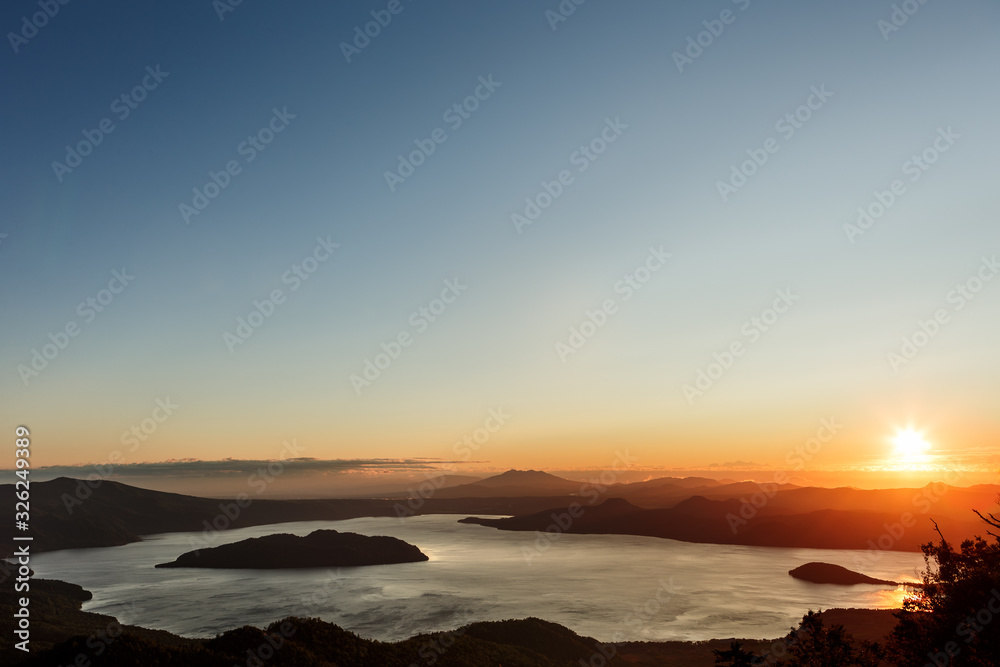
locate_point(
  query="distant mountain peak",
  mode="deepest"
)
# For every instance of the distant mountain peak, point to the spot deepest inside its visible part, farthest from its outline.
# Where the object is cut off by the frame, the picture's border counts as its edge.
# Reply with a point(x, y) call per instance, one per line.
point(618, 505)
point(515, 483)
point(515, 471)
point(514, 476)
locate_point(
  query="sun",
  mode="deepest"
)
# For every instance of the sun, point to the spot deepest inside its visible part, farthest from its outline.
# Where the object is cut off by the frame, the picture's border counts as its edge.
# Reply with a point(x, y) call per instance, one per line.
point(910, 445)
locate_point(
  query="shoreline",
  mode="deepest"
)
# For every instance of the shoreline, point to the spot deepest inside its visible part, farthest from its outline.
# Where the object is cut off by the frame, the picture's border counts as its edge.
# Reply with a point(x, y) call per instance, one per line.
point(60, 619)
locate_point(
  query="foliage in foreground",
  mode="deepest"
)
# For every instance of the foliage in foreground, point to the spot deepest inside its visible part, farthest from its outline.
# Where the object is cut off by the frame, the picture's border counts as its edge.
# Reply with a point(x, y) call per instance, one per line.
point(809, 645)
point(954, 620)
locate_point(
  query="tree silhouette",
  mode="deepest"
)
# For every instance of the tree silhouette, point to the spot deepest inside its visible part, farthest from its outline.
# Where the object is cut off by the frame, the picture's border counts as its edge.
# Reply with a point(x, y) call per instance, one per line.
point(735, 656)
point(954, 618)
point(812, 645)
point(809, 645)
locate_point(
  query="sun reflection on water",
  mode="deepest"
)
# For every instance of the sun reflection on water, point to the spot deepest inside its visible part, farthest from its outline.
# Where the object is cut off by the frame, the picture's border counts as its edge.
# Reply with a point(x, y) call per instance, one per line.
point(893, 599)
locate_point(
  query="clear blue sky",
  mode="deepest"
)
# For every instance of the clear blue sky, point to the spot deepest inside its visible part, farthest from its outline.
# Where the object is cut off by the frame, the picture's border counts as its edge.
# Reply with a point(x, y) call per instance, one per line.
point(323, 176)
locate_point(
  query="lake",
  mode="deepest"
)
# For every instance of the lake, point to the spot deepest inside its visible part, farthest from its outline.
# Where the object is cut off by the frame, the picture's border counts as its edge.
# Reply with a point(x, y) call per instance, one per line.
point(605, 586)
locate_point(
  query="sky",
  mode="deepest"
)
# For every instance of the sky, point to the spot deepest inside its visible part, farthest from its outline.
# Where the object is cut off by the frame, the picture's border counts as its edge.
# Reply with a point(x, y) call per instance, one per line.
point(638, 231)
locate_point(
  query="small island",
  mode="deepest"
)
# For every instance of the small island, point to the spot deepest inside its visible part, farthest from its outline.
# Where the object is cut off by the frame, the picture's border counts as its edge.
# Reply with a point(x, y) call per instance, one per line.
point(826, 573)
point(321, 548)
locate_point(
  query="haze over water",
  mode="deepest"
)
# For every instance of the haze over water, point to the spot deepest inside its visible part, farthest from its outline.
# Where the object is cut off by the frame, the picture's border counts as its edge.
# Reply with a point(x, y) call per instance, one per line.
point(596, 585)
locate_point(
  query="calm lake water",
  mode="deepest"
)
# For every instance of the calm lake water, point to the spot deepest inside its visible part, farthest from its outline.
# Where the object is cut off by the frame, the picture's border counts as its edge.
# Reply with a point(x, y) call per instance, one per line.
point(598, 585)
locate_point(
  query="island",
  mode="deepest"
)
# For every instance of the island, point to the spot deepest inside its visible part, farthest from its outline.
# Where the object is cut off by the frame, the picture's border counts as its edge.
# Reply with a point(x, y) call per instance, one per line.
point(321, 548)
point(827, 573)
